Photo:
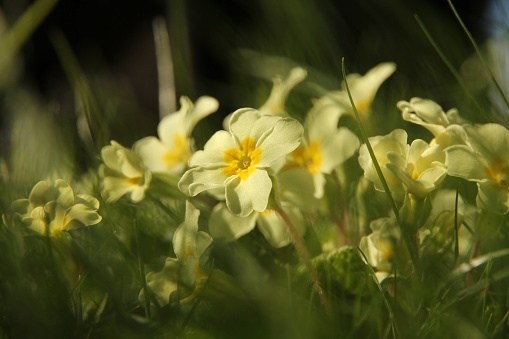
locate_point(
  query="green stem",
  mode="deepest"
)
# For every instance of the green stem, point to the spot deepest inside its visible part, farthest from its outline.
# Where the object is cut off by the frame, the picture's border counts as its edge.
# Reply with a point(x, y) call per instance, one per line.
point(304, 257)
point(141, 269)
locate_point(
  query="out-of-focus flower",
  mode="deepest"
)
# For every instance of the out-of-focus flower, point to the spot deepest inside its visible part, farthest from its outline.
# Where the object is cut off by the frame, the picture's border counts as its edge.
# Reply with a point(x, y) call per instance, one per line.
point(416, 169)
point(186, 271)
point(382, 245)
point(123, 172)
point(324, 145)
point(446, 127)
point(169, 153)
point(275, 104)
point(238, 160)
point(485, 162)
point(363, 89)
point(54, 209)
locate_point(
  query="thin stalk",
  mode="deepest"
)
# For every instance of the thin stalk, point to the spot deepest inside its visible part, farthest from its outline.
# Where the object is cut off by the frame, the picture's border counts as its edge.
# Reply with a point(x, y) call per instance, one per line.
point(478, 51)
point(407, 237)
point(141, 270)
point(304, 257)
point(456, 236)
point(446, 61)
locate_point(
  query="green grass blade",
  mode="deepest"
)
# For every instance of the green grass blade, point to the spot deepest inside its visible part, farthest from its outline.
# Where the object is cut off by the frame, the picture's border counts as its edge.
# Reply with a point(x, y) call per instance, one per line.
point(446, 61)
point(365, 138)
point(12, 42)
point(479, 54)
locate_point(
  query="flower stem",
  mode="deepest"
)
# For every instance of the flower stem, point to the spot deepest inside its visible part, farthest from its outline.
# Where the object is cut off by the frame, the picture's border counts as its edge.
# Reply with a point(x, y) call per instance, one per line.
point(304, 257)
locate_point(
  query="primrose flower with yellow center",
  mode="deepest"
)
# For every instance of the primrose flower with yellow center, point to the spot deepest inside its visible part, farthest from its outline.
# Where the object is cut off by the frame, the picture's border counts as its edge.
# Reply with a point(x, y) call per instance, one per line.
point(186, 272)
point(383, 245)
point(363, 89)
point(238, 159)
point(324, 145)
point(52, 209)
point(446, 127)
point(169, 153)
point(486, 162)
point(123, 172)
point(417, 168)
point(295, 193)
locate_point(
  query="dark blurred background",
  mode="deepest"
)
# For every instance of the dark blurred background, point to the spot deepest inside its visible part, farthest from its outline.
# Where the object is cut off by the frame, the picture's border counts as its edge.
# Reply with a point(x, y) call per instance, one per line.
point(217, 46)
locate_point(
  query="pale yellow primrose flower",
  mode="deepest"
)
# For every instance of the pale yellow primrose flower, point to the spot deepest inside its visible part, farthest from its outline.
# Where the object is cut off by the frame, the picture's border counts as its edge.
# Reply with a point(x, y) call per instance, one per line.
point(295, 188)
point(190, 247)
point(363, 88)
point(485, 162)
point(275, 104)
point(416, 169)
point(170, 153)
point(54, 208)
point(445, 127)
point(123, 172)
point(324, 145)
point(381, 246)
point(238, 159)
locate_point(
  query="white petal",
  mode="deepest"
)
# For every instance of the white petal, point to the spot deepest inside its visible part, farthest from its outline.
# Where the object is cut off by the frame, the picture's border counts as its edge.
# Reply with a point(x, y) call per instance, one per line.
point(151, 151)
point(490, 140)
point(242, 121)
point(228, 226)
point(170, 126)
point(244, 196)
point(213, 152)
point(322, 120)
point(204, 106)
point(493, 197)
point(465, 163)
point(184, 238)
point(283, 139)
point(80, 215)
point(200, 179)
point(297, 186)
point(274, 228)
point(337, 149)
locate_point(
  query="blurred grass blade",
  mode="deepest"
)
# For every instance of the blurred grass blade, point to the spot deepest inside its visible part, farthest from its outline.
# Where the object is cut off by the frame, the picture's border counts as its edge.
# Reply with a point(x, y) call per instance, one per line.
point(446, 61)
point(365, 138)
point(165, 72)
point(479, 54)
point(88, 118)
point(456, 235)
point(12, 42)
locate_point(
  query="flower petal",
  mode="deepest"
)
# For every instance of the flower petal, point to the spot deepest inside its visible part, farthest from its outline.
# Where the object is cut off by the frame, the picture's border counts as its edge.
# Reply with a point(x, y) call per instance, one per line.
point(244, 196)
point(283, 139)
point(228, 226)
point(213, 152)
point(465, 163)
point(199, 179)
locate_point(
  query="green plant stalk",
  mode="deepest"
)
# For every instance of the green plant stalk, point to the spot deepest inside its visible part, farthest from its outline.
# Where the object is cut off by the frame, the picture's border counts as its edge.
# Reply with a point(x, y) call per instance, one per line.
point(407, 237)
point(446, 61)
point(304, 257)
point(141, 269)
point(11, 43)
point(479, 54)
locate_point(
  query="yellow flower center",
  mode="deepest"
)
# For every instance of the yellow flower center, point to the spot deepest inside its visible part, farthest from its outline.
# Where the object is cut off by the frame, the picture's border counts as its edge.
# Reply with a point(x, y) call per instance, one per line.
point(133, 181)
point(309, 157)
point(179, 154)
point(242, 161)
point(499, 172)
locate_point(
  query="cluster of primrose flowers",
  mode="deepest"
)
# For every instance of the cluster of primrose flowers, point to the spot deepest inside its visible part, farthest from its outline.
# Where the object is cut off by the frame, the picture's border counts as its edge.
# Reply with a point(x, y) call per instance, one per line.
point(267, 170)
